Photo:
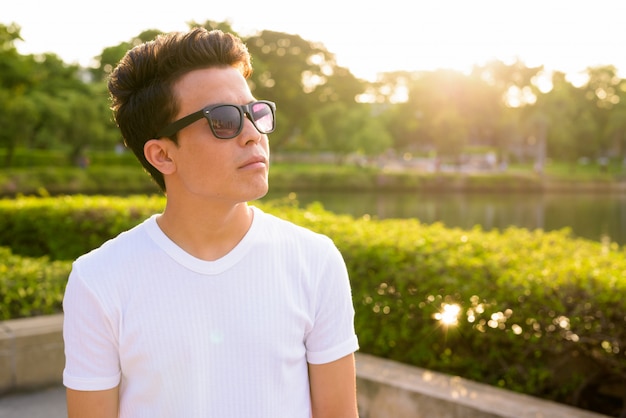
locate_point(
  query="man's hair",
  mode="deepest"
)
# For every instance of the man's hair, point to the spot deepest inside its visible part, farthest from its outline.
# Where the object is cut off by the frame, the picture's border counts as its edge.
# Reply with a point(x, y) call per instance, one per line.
point(141, 86)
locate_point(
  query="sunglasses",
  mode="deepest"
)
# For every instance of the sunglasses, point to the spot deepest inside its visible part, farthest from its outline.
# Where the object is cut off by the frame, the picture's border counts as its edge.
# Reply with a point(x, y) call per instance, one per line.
point(226, 120)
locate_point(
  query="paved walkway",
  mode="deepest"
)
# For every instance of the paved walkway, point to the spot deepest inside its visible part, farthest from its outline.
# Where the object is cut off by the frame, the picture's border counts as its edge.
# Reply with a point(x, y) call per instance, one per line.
point(45, 403)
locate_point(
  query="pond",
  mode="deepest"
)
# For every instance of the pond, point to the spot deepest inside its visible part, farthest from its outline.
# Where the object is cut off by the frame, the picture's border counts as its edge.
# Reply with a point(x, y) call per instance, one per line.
point(588, 215)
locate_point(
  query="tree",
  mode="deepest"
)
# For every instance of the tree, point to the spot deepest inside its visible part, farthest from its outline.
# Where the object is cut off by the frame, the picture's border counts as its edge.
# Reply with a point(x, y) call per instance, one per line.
point(615, 128)
point(84, 125)
point(343, 130)
point(602, 93)
point(556, 113)
point(111, 56)
point(451, 133)
point(13, 71)
point(372, 136)
point(51, 75)
point(402, 112)
point(582, 121)
point(511, 81)
point(301, 77)
point(16, 111)
point(437, 113)
point(505, 111)
point(17, 118)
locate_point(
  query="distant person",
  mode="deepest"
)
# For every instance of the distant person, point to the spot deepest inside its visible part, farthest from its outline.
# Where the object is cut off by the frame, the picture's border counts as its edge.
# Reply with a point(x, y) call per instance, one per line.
point(213, 308)
point(82, 161)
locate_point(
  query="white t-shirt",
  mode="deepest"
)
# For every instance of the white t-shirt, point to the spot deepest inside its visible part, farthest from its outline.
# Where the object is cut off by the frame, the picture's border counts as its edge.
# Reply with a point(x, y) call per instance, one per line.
point(229, 338)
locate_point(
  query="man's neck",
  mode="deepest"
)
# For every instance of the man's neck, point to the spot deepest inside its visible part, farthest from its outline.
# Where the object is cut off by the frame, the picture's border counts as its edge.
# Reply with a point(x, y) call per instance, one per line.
point(208, 233)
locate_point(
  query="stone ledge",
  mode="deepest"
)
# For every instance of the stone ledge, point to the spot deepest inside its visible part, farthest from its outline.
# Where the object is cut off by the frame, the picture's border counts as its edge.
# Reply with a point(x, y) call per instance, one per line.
point(388, 389)
point(31, 352)
point(32, 356)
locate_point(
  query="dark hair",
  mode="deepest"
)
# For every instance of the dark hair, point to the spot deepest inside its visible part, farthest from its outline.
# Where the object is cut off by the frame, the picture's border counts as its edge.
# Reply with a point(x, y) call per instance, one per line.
point(143, 101)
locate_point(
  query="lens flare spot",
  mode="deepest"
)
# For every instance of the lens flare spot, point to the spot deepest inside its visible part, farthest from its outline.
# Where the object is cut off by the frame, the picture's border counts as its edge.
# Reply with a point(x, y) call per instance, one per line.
point(449, 314)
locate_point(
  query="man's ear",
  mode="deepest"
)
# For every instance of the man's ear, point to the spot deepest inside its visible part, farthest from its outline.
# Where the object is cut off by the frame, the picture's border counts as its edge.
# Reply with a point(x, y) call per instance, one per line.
point(157, 152)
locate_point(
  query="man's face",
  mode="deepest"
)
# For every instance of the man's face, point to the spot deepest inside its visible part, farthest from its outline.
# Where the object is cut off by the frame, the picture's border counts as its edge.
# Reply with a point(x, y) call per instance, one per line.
point(228, 170)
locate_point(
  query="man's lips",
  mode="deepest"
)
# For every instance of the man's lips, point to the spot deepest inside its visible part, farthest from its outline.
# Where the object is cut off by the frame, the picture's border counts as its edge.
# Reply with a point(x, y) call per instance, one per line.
point(256, 161)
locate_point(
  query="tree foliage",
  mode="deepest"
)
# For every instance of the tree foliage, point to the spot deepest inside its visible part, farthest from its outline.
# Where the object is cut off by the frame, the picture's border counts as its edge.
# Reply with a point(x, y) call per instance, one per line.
point(323, 107)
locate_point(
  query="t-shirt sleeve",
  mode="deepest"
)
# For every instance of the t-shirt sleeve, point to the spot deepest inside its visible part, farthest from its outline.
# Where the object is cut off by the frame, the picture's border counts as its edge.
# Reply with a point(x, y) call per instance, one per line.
point(332, 335)
point(91, 354)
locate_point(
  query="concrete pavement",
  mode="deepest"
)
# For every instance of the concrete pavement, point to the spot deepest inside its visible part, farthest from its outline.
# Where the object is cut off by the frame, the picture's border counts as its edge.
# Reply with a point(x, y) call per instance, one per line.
point(44, 403)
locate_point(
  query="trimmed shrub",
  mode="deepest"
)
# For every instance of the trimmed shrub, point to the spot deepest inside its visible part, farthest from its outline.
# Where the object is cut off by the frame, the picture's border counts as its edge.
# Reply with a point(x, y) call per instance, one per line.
point(52, 180)
point(63, 228)
point(30, 286)
point(126, 178)
point(530, 311)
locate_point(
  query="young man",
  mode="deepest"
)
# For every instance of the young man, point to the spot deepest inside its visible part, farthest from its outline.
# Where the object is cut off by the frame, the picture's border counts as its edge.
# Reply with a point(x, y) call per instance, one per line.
point(211, 308)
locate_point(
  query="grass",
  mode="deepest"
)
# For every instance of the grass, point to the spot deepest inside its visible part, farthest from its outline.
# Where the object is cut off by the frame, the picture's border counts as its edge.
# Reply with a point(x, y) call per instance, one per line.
point(563, 172)
point(566, 171)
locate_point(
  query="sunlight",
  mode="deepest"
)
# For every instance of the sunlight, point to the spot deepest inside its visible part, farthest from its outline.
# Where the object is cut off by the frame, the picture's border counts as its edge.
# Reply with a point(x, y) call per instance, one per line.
point(449, 314)
point(543, 81)
point(427, 39)
point(516, 97)
point(577, 79)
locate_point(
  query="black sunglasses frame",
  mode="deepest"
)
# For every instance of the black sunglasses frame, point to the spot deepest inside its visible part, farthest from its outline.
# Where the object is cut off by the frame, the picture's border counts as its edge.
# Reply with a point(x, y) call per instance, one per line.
point(244, 110)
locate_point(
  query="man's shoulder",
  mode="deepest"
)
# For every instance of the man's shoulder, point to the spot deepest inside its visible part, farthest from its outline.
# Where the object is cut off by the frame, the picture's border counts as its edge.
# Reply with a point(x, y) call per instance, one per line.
point(284, 233)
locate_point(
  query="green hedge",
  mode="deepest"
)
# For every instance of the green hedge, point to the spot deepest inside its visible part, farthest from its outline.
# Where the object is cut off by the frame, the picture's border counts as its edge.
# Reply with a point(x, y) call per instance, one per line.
point(125, 179)
point(535, 312)
point(30, 286)
point(40, 158)
point(119, 180)
point(65, 227)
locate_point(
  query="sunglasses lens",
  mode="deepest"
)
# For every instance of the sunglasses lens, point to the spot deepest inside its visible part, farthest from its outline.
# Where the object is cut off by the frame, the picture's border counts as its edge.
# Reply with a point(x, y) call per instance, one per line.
point(225, 121)
point(263, 117)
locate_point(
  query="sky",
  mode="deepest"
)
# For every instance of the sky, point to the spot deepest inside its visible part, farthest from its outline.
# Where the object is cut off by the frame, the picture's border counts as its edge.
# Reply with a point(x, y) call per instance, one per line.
point(366, 37)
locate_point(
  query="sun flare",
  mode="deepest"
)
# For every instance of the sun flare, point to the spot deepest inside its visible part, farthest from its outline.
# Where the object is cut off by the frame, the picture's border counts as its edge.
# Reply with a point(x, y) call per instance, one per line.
point(449, 314)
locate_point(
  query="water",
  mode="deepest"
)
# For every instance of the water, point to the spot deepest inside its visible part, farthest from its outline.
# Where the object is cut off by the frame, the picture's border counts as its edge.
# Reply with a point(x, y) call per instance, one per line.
point(592, 216)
